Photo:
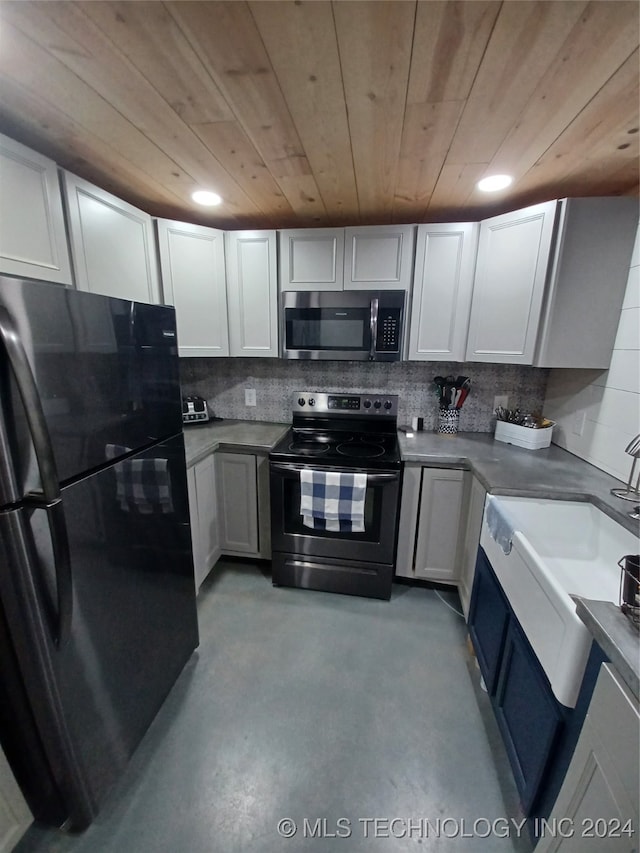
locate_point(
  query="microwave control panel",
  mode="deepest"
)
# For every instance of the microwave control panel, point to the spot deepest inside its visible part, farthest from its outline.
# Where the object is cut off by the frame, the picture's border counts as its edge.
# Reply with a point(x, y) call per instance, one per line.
point(389, 325)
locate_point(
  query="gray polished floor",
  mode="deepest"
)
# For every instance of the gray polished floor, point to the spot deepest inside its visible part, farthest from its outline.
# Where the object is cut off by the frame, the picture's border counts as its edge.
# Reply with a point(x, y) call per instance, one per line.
point(359, 720)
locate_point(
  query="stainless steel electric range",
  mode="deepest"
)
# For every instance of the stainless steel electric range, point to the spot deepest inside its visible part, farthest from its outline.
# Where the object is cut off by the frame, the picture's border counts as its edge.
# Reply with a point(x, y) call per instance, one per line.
point(337, 434)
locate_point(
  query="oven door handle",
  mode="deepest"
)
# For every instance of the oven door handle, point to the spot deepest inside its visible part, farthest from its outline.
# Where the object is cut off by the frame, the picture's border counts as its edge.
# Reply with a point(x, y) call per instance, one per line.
point(292, 469)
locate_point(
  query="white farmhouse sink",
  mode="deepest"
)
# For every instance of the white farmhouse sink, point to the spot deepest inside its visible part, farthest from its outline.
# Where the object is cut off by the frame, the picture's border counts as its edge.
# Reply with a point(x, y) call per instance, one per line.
point(559, 549)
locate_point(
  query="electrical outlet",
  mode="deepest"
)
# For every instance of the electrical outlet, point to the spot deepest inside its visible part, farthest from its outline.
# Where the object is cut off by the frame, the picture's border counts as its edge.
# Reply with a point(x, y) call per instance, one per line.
point(250, 396)
point(500, 400)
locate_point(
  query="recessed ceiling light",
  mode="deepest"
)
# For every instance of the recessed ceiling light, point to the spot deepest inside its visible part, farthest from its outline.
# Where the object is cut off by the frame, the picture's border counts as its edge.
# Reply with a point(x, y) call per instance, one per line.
point(205, 197)
point(494, 183)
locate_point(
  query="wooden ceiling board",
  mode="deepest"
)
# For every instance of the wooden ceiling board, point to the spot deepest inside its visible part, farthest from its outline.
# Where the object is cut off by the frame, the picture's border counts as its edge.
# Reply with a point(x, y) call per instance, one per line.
point(449, 41)
point(375, 40)
point(300, 39)
point(229, 44)
point(426, 136)
point(84, 154)
point(63, 91)
point(525, 40)
point(327, 113)
point(64, 31)
point(569, 83)
point(151, 40)
point(601, 129)
point(237, 154)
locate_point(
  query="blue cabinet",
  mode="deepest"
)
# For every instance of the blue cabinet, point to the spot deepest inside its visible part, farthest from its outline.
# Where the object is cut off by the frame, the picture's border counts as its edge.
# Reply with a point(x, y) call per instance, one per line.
point(528, 714)
point(539, 732)
point(488, 620)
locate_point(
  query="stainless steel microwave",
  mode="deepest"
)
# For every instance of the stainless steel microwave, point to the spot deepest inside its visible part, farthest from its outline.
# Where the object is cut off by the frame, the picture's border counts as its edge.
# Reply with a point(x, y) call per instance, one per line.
point(345, 325)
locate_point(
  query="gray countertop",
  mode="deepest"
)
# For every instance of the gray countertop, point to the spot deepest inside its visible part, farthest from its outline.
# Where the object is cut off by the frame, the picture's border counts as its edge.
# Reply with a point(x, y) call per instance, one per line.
point(616, 635)
point(508, 470)
point(232, 435)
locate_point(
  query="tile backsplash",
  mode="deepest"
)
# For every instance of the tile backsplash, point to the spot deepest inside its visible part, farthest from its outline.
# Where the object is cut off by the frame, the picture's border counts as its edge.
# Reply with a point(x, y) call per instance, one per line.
point(222, 381)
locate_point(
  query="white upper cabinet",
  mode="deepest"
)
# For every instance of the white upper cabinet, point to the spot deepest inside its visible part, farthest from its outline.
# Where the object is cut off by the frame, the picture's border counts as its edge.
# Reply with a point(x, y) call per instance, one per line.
point(550, 281)
point(252, 293)
point(193, 280)
point(364, 258)
point(33, 240)
point(379, 257)
point(511, 268)
point(587, 281)
point(442, 287)
point(311, 259)
point(112, 244)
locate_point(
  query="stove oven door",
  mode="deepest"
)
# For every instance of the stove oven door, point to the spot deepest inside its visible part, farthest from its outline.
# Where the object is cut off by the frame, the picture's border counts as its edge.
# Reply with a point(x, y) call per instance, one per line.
point(375, 545)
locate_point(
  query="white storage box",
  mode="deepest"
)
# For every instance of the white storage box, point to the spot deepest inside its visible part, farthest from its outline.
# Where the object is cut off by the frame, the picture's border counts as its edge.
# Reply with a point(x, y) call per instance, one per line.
point(532, 439)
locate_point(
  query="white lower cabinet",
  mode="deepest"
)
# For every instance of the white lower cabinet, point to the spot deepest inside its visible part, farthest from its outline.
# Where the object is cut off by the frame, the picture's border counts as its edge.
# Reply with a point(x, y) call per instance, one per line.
point(204, 516)
point(431, 524)
point(475, 510)
point(33, 239)
point(243, 496)
point(597, 807)
point(15, 817)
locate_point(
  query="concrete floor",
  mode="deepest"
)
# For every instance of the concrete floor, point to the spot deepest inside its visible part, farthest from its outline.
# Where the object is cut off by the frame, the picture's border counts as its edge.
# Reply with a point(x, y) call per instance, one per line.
point(311, 706)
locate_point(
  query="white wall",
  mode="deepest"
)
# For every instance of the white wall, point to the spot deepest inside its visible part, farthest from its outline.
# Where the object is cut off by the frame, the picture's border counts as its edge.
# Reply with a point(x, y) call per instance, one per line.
point(597, 412)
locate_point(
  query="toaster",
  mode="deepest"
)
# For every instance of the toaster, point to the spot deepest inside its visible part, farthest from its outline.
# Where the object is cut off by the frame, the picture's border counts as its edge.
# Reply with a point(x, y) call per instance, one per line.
point(195, 410)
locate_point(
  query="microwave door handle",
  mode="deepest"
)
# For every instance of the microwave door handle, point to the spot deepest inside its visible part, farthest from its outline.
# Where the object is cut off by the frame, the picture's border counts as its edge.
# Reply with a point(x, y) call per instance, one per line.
point(52, 503)
point(373, 327)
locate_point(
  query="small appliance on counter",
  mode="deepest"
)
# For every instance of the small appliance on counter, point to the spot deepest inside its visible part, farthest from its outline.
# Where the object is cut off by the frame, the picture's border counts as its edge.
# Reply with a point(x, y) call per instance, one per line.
point(195, 410)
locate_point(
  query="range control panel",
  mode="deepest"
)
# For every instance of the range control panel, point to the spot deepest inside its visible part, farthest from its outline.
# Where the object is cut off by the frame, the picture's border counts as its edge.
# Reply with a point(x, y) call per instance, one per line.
point(362, 405)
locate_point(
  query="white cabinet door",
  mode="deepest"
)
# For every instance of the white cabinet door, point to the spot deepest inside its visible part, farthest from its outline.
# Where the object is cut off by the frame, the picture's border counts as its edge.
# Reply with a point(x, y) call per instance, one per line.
point(15, 817)
point(311, 259)
point(252, 293)
point(112, 243)
point(475, 512)
point(513, 258)
point(238, 500)
point(431, 523)
point(194, 281)
point(204, 517)
point(440, 527)
point(379, 257)
point(443, 282)
point(600, 794)
point(33, 240)
point(581, 314)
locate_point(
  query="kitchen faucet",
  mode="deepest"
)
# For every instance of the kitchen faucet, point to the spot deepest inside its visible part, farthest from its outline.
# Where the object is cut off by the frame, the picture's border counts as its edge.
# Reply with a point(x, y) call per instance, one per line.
point(631, 492)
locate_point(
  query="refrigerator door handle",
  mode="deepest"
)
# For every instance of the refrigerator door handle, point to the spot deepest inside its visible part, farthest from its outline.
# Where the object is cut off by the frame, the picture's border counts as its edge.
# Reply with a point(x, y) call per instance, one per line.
point(62, 560)
point(25, 381)
point(36, 420)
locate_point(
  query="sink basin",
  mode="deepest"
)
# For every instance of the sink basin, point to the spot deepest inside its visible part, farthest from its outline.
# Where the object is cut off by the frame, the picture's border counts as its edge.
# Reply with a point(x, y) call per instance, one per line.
point(559, 549)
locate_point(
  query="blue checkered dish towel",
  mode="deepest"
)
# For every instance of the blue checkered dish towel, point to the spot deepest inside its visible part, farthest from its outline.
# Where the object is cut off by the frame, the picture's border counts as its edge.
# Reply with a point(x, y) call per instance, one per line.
point(332, 500)
point(142, 485)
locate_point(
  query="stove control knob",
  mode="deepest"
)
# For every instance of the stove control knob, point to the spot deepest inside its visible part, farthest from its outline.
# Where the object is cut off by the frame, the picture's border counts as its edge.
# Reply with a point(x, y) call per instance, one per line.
point(301, 401)
point(367, 404)
point(312, 402)
point(377, 404)
point(388, 404)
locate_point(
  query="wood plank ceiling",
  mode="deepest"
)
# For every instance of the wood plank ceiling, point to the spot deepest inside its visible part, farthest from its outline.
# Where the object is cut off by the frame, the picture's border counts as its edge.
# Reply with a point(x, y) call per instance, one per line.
point(327, 113)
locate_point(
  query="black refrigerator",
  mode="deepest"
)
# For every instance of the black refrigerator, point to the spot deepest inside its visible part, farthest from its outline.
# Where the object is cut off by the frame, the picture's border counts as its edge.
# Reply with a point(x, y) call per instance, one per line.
point(97, 596)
